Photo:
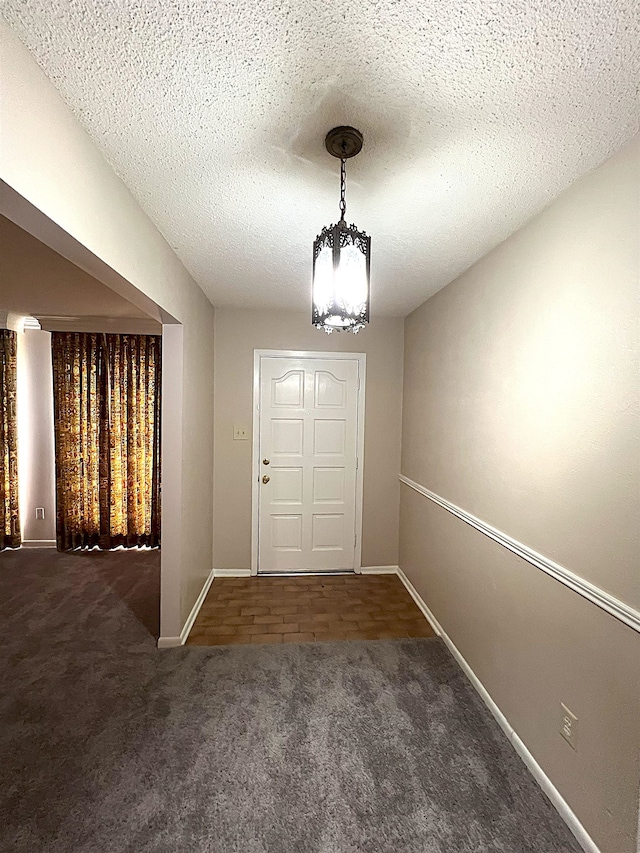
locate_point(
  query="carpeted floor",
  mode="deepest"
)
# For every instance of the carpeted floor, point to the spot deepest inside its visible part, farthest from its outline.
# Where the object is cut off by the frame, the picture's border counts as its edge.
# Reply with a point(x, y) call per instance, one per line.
point(109, 746)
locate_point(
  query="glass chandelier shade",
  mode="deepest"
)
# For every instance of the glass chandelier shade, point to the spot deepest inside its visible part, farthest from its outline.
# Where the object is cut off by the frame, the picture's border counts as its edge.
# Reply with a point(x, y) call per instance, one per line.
point(341, 257)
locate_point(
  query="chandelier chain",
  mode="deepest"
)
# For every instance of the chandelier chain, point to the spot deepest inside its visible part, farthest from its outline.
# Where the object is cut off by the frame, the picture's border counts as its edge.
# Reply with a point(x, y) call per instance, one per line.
point(343, 188)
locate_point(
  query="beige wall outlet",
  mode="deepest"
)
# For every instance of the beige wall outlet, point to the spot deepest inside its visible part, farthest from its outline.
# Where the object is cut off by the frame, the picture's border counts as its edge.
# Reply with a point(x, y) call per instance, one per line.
point(240, 433)
point(568, 726)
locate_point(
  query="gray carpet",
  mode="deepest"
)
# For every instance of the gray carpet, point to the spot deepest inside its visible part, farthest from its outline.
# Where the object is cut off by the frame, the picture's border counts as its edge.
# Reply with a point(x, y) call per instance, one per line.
point(109, 745)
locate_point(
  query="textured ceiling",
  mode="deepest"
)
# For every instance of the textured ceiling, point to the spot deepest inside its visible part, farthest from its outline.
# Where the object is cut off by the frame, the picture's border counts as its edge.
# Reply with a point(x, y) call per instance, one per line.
point(475, 113)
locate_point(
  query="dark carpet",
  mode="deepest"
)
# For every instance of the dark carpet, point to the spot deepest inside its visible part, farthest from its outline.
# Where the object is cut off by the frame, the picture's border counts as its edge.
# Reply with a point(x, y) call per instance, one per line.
point(110, 745)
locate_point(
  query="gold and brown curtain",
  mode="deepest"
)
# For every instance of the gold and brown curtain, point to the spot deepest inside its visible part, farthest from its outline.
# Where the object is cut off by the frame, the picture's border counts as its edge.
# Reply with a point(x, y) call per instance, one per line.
point(9, 513)
point(107, 429)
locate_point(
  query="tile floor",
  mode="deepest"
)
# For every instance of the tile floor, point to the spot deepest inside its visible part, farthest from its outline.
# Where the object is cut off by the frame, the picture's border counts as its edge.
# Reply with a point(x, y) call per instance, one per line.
point(307, 609)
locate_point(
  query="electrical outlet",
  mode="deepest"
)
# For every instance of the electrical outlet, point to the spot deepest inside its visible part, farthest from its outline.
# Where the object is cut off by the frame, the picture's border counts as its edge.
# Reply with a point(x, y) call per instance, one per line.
point(569, 726)
point(240, 433)
point(40, 513)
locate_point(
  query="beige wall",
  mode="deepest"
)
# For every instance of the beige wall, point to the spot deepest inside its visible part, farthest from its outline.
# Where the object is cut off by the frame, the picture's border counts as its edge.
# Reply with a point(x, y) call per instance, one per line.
point(521, 407)
point(238, 333)
point(36, 280)
point(36, 465)
point(49, 160)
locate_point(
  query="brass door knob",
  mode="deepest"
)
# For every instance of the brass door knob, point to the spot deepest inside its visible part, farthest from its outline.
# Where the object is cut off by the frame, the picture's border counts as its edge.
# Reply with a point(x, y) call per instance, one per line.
point(265, 479)
point(265, 461)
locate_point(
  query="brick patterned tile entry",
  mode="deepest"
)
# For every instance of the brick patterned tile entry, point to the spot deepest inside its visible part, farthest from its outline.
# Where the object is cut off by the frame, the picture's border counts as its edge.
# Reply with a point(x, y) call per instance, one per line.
point(307, 609)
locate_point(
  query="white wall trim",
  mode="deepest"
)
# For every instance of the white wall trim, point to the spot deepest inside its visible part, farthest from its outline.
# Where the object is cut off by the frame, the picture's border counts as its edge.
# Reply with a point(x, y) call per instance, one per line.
point(361, 359)
point(38, 543)
point(169, 642)
point(172, 642)
point(12, 321)
point(556, 798)
point(191, 618)
point(379, 570)
point(614, 606)
point(428, 615)
point(119, 325)
point(232, 573)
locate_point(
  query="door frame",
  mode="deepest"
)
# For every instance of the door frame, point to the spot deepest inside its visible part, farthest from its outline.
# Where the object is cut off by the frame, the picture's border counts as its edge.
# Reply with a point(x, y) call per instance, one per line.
point(258, 355)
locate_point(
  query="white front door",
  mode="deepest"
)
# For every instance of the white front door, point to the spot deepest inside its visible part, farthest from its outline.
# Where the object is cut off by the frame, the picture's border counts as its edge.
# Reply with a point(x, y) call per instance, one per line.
point(308, 466)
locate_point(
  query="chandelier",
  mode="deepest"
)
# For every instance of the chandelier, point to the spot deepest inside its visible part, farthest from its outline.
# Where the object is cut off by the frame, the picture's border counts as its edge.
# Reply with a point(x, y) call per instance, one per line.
point(341, 255)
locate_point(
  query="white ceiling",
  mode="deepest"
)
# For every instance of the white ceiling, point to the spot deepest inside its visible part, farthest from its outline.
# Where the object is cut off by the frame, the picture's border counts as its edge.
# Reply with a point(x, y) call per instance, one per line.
point(475, 113)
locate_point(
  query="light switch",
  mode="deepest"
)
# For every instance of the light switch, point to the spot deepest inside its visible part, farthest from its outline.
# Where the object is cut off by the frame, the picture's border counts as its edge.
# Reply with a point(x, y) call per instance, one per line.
point(240, 433)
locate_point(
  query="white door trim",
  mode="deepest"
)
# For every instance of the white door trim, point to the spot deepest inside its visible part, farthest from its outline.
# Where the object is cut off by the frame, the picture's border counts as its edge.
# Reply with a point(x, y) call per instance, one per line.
point(259, 354)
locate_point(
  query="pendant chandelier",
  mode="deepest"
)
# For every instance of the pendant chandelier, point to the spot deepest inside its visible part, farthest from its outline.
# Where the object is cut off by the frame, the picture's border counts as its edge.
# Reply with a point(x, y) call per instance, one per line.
point(341, 255)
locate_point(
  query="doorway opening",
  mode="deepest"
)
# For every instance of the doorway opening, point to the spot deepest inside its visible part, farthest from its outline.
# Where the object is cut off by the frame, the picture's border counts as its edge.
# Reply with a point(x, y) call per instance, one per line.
point(68, 288)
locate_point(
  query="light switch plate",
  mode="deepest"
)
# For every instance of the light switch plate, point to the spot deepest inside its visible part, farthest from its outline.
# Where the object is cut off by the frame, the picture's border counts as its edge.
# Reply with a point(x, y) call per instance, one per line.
point(240, 433)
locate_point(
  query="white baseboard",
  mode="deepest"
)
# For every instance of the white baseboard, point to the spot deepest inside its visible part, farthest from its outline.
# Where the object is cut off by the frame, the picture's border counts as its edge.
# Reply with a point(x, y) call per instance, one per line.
point(191, 618)
point(172, 642)
point(232, 573)
point(379, 570)
point(564, 810)
point(428, 615)
point(38, 543)
point(169, 642)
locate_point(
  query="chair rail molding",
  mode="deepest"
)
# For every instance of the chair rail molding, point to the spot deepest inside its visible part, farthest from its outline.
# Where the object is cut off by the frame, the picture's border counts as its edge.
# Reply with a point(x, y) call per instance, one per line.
point(612, 605)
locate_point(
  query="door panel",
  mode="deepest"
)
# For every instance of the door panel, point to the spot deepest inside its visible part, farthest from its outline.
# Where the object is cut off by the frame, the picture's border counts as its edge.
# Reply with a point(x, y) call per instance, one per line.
point(287, 437)
point(328, 485)
point(329, 390)
point(286, 532)
point(286, 486)
point(329, 437)
point(308, 433)
point(328, 532)
point(288, 390)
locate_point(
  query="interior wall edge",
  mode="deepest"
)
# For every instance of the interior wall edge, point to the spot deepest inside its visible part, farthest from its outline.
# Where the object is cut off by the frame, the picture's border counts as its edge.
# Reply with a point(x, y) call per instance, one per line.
point(23, 212)
point(595, 594)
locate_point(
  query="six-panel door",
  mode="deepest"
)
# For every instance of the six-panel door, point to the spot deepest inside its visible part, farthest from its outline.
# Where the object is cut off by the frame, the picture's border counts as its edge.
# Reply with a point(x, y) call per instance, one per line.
point(308, 443)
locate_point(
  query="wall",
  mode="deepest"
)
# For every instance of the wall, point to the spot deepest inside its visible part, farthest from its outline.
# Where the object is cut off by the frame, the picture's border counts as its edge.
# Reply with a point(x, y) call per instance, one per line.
point(521, 407)
point(36, 451)
point(49, 160)
point(35, 279)
point(238, 333)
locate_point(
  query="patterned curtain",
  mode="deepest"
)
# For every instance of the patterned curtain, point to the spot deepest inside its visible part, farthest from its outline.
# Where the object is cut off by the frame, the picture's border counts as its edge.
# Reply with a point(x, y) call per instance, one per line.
point(9, 513)
point(107, 425)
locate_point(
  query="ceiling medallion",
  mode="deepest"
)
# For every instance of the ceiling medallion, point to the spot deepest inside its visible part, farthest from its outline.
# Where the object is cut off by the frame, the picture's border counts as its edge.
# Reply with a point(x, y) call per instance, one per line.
point(341, 255)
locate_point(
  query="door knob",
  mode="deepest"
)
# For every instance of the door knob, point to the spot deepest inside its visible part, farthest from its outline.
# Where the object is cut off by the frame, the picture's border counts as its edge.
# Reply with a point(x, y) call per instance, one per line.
point(265, 461)
point(265, 479)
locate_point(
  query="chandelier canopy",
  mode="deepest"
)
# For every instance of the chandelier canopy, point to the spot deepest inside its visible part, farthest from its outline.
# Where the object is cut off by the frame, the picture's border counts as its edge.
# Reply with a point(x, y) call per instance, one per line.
point(341, 255)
